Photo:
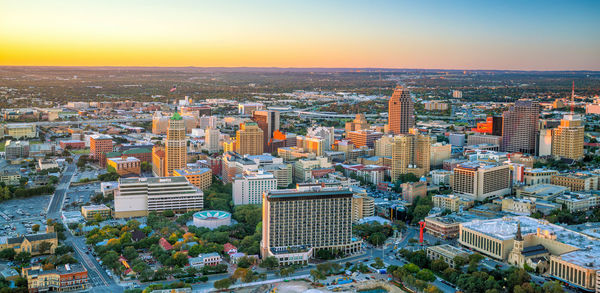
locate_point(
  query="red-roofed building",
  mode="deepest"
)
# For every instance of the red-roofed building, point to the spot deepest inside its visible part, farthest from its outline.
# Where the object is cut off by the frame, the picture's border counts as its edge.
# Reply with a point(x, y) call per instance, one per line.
point(229, 248)
point(165, 244)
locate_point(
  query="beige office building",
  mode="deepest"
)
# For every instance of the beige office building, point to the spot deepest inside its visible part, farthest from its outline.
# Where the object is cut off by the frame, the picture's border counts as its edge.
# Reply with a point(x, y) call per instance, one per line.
point(175, 145)
point(452, 202)
point(575, 182)
point(567, 139)
point(249, 139)
point(299, 222)
point(410, 154)
point(439, 153)
point(480, 180)
point(135, 197)
point(538, 176)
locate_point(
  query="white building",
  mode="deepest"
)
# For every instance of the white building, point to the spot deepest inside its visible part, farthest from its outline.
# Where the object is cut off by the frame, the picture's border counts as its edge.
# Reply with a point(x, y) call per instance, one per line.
point(440, 176)
point(249, 187)
point(211, 140)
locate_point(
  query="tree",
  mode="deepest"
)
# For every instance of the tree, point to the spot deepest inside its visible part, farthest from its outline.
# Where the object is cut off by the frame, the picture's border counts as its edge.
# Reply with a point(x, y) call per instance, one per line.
point(44, 247)
point(439, 265)
point(317, 275)
point(287, 271)
point(223, 283)
point(8, 253)
point(111, 259)
point(23, 257)
point(130, 253)
point(378, 263)
point(426, 275)
point(459, 261)
point(245, 262)
point(377, 239)
point(269, 262)
point(552, 287)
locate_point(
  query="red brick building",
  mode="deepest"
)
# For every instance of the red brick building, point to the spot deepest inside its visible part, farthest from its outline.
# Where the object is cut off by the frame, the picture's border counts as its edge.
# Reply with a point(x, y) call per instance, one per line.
point(100, 144)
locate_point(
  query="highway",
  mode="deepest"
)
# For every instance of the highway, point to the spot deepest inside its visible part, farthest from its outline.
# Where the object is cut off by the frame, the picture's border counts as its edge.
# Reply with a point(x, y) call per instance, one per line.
point(57, 123)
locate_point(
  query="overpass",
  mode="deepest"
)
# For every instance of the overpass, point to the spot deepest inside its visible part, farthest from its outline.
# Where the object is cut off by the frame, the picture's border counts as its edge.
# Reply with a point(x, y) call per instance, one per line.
point(77, 122)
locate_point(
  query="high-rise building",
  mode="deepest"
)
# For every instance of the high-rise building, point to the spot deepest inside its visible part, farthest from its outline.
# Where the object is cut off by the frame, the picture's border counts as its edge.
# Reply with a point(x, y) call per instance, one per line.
point(520, 127)
point(457, 94)
point(175, 145)
point(299, 222)
point(365, 137)
point(268, 121)
point(326, 133)
point(383, 146)
point(100, 144)
point(135, 197)
point(359, 123)
point(439, 152)
point(312, 144)
point(567, 139)
point(211, 140)
point(234, 164)
point(479, 180)
point(410, 154)
point(249, 139)
point(401, 111)
point(249, 187)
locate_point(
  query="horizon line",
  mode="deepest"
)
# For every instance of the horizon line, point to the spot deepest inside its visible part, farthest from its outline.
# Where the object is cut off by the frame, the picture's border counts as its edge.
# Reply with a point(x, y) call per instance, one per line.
point(292, 67)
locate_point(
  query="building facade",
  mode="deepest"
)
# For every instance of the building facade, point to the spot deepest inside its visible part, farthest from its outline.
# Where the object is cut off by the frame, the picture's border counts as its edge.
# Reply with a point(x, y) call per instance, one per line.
point(401, 111)
point(250, 186)
point(520, 127)
point(250, 139)
point(567, 139)
point(479, 180)
point(175, 145)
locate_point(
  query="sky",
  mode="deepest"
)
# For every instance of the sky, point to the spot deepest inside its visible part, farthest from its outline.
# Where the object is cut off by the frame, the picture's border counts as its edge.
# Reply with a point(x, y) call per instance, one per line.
point(436, 34)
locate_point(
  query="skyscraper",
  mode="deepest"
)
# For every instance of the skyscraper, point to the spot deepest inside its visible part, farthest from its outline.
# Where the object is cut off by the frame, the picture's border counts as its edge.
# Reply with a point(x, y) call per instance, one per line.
point(567, 139)
point(410, 154)
point(211, 140)
point(401, 111)
point(268, 121)
point(520, 127)
point(175, 145)
point(249, 139)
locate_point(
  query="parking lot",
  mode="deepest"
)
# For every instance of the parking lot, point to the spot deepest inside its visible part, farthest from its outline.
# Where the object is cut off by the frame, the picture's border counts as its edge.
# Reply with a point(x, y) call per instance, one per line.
point(80, 195)
point(17, 216)
point(89, 174)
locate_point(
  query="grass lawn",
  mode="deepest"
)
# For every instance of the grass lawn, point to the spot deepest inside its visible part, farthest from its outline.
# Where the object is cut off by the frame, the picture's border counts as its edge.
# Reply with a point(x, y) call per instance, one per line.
point(81, 152)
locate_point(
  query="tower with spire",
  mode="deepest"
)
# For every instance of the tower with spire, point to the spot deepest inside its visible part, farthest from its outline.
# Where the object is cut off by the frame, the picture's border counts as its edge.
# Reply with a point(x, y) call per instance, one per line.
point(175, 145)
point(516, 255)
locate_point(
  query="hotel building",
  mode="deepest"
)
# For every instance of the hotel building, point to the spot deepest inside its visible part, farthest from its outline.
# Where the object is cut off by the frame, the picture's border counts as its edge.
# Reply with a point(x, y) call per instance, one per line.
point(299, 222)
point(250, 185)
point(479, 180)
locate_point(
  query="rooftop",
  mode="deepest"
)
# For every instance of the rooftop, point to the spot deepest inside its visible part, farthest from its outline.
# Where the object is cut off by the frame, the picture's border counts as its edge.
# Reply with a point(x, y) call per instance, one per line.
point(588, 248)
point(192, 171)
point(153, 180)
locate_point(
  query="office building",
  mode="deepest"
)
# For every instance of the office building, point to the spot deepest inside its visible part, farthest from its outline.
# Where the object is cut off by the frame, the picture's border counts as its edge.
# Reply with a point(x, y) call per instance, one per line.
point(158, 161)
point(199, 177)
point(89, 212)
point(125, 166)
point(160, 123)
point(545, 142)
point(457, 139)
point(14, 149)
point(452, 202)
point(299, 222)
point(268, 122)
point(175, 145)
point(435, 106)
point(410, 154)
point(249, 108)
point(211, 140)
point(579, 201)
point(10, 178)
point(100, 144)
point(447, 253)
point(520, 127)
point(359, 123)
point(440, 177)
point(283, 172)
point(537, 176)
point(477, 139)
point(575, 182)
point(362, 206)
point(294, 153)
point(564, 254)
point(303, 168)
point(249, 139)
point(567, 139)
point(135, 197)
point(541, 191)
point(492, 126)
point(439, 152)
point(20, 130)
point(250, 185)
point(234, 164)
point(519, 206)
point(361, 138)
point(62, 278)
point(480, 180)
point(312, 144)
point(412, 190)
point(384, 146)
point(401, 112)
point(457, 94)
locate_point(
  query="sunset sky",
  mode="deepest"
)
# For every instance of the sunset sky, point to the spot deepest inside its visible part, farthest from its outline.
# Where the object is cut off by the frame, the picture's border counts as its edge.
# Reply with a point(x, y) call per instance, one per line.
point(529, 35)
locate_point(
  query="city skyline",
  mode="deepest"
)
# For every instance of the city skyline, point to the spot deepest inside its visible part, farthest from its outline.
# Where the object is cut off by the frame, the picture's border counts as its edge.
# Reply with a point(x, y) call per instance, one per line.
point(465, 35)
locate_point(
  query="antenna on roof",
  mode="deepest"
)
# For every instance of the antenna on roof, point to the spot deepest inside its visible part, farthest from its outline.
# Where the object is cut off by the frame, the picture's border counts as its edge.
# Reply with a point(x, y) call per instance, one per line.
point(572, 97)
